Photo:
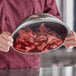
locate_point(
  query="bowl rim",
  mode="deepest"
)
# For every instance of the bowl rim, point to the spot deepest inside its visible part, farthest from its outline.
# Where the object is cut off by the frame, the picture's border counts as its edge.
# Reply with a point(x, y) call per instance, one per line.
point(47, 19)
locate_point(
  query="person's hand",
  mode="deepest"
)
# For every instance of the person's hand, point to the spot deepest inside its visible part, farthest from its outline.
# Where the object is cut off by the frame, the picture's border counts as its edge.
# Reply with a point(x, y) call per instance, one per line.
point(6, 41)
point(70, 41)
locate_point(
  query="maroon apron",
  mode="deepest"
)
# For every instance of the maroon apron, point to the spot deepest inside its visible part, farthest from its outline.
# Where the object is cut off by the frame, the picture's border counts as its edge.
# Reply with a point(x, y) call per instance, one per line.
point(12, 12)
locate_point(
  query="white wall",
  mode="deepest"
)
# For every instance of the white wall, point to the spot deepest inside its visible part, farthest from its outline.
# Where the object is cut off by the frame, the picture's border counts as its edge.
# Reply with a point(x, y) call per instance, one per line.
point(58, 4)
point(60, 7)
point(65, 8)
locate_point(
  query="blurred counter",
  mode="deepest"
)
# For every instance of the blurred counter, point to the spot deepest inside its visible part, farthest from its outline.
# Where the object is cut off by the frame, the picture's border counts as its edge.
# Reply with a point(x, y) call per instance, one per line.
point(60, 57)
point(57, 63)
point(48, 71)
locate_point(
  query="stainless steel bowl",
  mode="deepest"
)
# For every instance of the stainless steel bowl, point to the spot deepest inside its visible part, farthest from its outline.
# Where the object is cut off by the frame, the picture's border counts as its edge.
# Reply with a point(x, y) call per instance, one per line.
point(54, 23)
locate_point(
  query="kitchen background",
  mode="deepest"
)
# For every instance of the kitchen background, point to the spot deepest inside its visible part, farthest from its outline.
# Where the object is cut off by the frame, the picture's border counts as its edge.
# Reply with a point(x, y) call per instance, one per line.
point(59, 63)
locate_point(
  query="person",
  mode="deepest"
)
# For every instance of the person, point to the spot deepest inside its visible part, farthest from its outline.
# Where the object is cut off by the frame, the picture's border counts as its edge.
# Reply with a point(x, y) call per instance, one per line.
point(12, 12)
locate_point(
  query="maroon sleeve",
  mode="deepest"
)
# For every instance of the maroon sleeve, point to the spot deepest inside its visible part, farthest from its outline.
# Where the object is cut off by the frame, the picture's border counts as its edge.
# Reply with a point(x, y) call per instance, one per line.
point(51, 8)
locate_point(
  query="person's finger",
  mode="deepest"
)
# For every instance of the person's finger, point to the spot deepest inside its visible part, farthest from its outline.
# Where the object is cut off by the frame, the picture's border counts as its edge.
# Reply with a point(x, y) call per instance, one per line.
point(70, 43)
point(4, 49)
point(7, 43)
point(70, 40)
point(70, 37)
point(2, 40)
point(7, 33)
point(7, 37)
point(67, 46)
point(73, 33)
point(4, 45)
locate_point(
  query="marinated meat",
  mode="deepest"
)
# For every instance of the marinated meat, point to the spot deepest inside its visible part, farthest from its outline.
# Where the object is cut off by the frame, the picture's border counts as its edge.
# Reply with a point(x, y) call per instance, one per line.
point(42, 40)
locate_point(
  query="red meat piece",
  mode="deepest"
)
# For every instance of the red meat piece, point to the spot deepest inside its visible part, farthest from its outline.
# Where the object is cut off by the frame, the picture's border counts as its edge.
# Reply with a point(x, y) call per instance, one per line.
point(53, 46)
point(28, 48)
point(43, 39)
point(36, 43)
point(45, 50)
point(50, 39)
point(42, 28)
point(21, 32)
point(18, 46)
point(42, 46)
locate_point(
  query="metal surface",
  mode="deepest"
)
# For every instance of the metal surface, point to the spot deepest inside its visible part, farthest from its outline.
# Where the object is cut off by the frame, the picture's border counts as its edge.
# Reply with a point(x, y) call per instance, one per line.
point(52, 71)
point(54, 23)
